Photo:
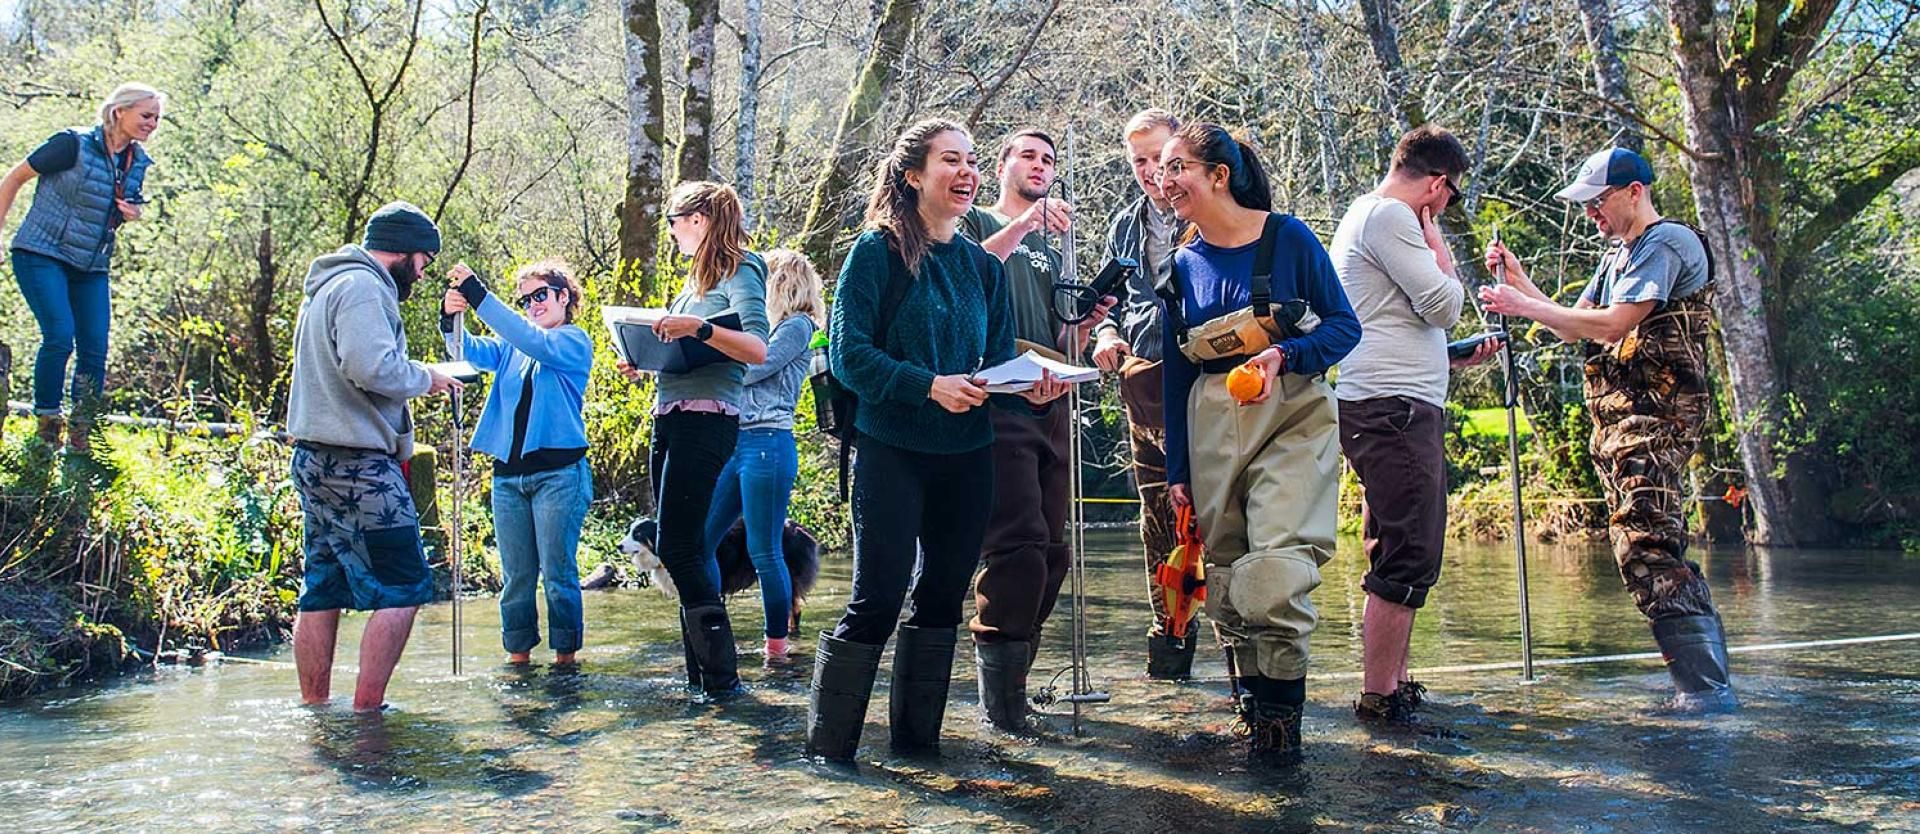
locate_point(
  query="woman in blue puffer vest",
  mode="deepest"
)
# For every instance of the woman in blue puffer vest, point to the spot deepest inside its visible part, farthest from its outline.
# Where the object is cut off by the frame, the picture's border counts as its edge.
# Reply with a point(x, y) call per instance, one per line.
point(91, 181)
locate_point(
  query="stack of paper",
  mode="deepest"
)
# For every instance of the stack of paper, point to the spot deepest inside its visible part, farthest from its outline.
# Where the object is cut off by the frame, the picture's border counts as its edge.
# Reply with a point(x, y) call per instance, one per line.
point(1022, 372)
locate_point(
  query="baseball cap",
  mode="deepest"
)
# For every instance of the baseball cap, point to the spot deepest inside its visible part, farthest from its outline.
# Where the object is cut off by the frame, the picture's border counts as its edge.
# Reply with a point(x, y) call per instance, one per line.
point(1607, 169)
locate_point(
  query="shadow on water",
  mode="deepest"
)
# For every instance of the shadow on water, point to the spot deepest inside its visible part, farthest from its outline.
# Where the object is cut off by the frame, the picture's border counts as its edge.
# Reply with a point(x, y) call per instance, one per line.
point(399, 751)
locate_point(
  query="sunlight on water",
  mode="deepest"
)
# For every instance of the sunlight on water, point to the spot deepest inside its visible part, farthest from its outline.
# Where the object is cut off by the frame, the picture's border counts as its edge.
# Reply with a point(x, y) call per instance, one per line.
point(1829, 739)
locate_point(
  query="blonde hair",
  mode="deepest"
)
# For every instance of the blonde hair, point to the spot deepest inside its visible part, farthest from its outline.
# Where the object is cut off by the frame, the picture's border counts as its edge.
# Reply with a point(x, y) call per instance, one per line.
point(725, 246)
point(554, 272)
point(793, 288)
point(1149, 119)
point(128, 95)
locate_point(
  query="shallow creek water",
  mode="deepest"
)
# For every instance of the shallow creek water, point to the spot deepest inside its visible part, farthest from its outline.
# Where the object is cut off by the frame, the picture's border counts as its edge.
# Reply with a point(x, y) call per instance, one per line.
point(1829, 739)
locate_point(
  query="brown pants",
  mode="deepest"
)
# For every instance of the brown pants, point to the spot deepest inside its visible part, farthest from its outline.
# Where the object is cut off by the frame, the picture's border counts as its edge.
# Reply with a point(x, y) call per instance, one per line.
point(1025, 558)
point(1147, 429)
point(1397, 445)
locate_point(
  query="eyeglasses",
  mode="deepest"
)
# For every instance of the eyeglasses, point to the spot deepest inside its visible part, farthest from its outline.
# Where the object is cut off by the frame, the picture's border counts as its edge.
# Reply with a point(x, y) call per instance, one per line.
point(1599, 199)
point(538, 296)
point(679, 214)
point(1176, 166)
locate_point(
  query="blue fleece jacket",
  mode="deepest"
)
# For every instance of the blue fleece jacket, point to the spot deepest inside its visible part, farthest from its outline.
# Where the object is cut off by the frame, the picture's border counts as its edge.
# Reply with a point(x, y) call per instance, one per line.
point(561, 359)
point(1215, 281)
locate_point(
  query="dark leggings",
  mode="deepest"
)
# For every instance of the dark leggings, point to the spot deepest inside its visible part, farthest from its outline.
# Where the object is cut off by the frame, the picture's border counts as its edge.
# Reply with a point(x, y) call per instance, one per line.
point(902, 499)
point(689, 450)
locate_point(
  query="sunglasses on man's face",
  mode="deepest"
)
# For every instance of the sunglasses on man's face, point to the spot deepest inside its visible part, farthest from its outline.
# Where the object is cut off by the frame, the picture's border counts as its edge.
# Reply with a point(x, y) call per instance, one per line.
point(539, 296)
point(1453, 191)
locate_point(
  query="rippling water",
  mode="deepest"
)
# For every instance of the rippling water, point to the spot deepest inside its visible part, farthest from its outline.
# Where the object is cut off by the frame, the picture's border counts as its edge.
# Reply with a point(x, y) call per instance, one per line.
point(1829, 739)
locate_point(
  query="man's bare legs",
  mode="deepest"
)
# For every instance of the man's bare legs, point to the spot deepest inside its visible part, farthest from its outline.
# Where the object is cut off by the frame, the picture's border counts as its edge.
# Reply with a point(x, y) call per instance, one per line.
point(380, 648)
point(313, 638)
point(1385, 631)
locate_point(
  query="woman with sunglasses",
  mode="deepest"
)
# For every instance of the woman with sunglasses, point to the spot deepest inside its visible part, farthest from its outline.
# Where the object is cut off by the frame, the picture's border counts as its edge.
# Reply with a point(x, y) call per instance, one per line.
point(696, 414)
point(535, 430)
point(1262, 475)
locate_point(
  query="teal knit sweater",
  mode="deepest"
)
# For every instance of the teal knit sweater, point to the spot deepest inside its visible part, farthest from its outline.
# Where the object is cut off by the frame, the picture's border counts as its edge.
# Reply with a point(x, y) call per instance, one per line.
point(950, 322)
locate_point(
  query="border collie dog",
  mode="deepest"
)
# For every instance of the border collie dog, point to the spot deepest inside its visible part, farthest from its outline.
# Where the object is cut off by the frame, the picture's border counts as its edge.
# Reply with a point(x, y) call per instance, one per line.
point(801, 551)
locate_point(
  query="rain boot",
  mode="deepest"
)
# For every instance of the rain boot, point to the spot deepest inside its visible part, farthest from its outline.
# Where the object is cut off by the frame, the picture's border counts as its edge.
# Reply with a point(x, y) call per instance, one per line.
point(843, 673)
point(714, 659)
point(1695, 649)
point(922, 671)
point(1002, 669)
point(79, 436)
point(1168, 658)
point(693, 663)
point(1271, 720)
point(49, 429)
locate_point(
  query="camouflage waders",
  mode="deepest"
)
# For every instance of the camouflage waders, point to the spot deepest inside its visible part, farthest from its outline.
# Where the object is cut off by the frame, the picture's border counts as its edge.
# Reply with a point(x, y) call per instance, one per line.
point(1649, 399)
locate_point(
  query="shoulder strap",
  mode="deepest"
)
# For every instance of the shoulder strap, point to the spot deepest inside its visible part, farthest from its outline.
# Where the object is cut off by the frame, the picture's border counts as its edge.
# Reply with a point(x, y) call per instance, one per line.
point(1704, 246)
point(1260, 292)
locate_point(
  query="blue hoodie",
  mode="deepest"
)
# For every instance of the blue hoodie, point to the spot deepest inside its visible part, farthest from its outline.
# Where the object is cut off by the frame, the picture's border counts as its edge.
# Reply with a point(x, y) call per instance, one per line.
point(561, 359)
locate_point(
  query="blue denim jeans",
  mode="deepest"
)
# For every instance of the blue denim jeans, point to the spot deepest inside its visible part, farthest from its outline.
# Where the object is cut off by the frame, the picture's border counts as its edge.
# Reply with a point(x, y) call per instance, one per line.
point(536, 522)
point(72, 308)
point(756, 484)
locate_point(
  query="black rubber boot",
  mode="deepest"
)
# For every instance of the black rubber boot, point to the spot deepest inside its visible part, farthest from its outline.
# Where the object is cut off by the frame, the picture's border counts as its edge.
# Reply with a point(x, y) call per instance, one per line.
point(843, 674)
point(922, 673)
point(1169, 659)
point(710, 646)
point(693, 663)
point(1002, 669)
point(1695, 649)
point(1269, 713)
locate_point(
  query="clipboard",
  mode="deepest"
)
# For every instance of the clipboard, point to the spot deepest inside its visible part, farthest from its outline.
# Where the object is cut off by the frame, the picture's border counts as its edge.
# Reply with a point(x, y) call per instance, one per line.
point(634, 341)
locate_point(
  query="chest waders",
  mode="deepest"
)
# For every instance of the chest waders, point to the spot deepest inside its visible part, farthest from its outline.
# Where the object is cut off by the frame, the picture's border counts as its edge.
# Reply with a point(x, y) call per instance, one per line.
point(1649, 398)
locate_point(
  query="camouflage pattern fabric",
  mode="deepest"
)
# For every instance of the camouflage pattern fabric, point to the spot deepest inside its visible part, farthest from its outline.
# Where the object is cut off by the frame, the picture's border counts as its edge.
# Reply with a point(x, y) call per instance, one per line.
point(1649, 399)
point(1147, 432)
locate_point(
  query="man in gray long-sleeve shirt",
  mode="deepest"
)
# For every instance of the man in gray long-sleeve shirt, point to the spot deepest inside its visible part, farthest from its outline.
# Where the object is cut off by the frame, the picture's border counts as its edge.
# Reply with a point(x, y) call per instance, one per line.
point(352, 430)
point(1399, 275)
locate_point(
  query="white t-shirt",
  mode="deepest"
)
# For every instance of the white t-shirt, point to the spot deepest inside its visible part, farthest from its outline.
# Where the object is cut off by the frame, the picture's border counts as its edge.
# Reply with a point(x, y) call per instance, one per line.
point(1405, 304)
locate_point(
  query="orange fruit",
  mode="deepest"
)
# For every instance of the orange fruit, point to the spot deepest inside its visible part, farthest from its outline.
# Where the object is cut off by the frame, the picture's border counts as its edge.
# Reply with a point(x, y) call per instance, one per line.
point(1246, 382)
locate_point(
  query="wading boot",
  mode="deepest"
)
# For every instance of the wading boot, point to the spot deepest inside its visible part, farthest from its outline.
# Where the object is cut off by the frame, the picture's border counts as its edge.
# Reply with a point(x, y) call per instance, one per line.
point(48, 430)
point(79, 436)
point(1695, 649)
point(1002, 670)
point(843, 673)
point(1396, 707)
point(1271, 726)
point(709, 637)
point(1169, 659)
point(922, 673)
point(693, 663)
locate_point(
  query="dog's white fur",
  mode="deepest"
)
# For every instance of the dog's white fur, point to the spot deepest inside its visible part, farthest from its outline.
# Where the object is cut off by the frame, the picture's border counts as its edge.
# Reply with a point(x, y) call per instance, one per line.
point(647, 563)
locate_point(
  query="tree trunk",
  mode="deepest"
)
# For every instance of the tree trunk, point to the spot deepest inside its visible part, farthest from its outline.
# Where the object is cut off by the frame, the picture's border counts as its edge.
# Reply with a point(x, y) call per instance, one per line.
point(1610, 72)
point(1330, 163)
point(1384, 35)
point(696, 99)
point(855, 133)
point(260, 317)
point(748, 122)
point(1736, 178)
point(646, 139)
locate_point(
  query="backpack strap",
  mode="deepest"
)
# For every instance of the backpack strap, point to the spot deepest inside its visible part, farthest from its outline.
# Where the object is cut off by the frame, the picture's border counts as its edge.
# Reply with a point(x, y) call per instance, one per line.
point(1260, 291)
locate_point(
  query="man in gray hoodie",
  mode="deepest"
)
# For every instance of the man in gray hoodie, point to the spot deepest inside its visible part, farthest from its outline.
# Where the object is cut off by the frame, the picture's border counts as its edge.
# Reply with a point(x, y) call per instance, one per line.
point(347, 412)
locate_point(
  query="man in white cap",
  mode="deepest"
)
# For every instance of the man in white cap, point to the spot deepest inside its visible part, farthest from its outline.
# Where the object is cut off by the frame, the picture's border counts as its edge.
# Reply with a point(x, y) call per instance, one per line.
point(1644, 320)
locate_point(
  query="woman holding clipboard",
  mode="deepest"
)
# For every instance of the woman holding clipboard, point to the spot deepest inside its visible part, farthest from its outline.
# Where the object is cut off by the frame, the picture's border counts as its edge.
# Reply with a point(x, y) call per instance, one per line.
point(696, 415)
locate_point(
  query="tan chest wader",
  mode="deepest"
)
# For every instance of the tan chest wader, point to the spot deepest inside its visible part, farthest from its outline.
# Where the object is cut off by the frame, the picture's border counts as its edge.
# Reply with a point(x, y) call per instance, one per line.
point(1649, 398)
point(1265, 479)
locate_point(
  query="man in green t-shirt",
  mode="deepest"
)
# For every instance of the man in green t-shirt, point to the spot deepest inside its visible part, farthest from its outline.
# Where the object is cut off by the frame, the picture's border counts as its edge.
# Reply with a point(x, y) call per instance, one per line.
point(1025, 556)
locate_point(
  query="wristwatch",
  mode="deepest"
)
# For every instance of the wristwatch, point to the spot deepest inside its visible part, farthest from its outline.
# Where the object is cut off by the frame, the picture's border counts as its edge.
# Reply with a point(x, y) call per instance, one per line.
point(705, 332)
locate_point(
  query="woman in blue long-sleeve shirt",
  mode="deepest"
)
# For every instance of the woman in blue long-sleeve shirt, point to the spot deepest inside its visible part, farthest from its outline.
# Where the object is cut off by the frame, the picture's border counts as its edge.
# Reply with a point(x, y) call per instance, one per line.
point(1262, 476)
point(536, 432)
point(758, 480)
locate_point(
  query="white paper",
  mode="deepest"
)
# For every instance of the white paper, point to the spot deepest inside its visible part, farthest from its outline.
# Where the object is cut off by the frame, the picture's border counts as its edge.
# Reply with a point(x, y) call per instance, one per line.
point(458, 369)
point(631, 315)
point(1022, 372)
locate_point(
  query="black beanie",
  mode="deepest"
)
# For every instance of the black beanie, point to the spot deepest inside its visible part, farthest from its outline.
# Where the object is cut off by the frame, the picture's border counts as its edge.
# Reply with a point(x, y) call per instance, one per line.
point(403, 228)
